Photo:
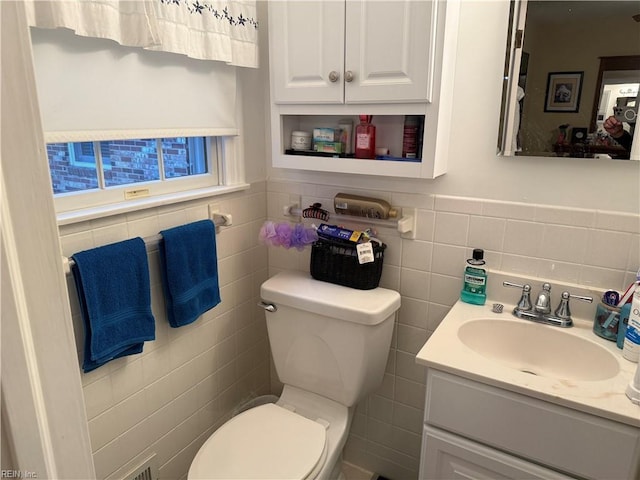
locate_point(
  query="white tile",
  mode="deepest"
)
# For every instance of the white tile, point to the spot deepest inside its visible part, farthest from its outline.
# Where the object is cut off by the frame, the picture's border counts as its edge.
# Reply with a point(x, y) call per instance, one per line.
point(406, 367)
point(380, 408)
point(416, 254)
point(607, 249)
point(523, 238)
point(146, 226)
point(457, 205)
point(127, 380)
point(413, 312)
point(567, 244)
point(414, 284)
point(622, 222)
point(448, 259)
point(602, 278)
point(108, 459)
point(425, 224)
point(555, 270)
point(76, 242)
point(103, 429)
point(576, 217)
point(98, 396)
point(409, 393)
point(509, 210)
point(408, 418)
point(633, 262)
point(411, 339)
point(486, 233)
point(451, 228)
point(445, 290)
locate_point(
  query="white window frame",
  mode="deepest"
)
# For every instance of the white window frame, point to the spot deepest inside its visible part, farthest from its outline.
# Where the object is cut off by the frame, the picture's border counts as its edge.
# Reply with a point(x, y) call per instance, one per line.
point(223, 177)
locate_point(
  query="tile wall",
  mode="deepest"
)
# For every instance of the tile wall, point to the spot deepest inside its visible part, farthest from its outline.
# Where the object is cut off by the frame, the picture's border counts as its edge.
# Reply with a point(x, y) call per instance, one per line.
point(189, 380)
point(592, 248)
point(185, 384)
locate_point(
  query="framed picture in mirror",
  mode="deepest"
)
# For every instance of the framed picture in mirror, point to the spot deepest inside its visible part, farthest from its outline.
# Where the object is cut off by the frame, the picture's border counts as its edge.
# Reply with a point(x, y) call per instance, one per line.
point(563, 92)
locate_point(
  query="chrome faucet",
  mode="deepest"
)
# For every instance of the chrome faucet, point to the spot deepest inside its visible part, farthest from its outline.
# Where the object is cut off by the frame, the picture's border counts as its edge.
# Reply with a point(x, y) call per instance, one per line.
point(541, 310)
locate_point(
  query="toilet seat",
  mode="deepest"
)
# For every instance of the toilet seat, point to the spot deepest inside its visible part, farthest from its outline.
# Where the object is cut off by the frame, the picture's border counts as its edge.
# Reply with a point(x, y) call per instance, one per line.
point(265, 442)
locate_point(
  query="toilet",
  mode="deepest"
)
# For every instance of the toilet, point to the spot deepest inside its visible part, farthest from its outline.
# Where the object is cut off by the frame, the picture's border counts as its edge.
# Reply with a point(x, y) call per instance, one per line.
point(329, 345)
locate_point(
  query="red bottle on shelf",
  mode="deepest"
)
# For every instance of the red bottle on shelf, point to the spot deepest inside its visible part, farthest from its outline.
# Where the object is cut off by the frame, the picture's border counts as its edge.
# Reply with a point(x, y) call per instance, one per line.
point(365, 138)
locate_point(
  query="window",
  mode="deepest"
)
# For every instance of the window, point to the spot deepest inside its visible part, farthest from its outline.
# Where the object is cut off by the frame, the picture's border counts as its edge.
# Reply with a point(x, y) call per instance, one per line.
point(87, 174)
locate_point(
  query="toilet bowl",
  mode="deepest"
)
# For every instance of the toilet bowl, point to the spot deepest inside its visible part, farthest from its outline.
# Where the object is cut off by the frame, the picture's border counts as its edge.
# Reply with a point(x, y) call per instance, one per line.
point(330, 345)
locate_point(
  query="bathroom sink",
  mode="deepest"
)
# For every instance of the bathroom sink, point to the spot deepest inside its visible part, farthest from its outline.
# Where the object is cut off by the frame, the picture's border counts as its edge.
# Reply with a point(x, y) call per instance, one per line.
point(538, 349)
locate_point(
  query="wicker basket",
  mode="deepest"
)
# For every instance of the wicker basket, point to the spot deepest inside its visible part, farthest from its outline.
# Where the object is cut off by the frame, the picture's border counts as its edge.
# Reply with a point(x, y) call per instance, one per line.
point(337, 262)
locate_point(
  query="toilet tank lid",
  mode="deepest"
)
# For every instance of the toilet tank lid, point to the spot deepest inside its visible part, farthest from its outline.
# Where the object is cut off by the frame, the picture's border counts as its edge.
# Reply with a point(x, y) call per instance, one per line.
point(300, 290)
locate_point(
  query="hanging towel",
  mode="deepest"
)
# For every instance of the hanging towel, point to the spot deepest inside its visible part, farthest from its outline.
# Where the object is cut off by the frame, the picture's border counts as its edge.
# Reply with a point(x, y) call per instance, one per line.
point(189, 271)
point(115, 300)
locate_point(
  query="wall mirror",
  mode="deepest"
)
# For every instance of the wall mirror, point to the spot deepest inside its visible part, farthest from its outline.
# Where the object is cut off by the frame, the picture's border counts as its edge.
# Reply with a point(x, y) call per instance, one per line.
point(570, 65)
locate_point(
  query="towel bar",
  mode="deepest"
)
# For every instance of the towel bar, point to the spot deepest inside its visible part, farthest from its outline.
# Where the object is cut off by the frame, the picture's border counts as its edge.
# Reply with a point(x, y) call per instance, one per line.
point(219, 219)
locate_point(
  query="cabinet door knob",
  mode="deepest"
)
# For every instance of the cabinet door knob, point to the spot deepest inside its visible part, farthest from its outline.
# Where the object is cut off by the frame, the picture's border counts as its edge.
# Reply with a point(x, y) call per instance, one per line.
point(333, 76)
point(348, 76)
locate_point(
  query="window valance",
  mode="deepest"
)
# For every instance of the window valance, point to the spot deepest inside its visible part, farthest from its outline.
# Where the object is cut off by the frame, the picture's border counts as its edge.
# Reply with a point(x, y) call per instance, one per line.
point(221, 30)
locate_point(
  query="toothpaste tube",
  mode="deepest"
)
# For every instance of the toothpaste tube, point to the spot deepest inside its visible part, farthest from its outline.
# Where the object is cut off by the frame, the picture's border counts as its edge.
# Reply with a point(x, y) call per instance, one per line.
point(333, 232)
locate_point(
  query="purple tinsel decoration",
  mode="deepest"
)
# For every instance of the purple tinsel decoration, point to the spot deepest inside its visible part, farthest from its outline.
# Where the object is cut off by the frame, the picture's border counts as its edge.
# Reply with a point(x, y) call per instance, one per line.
point(287, 236)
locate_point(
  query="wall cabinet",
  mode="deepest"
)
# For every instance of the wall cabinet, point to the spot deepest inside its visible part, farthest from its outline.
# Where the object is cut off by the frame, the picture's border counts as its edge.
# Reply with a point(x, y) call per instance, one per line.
point(331, 60)
point(352, 52)
point(480, 431)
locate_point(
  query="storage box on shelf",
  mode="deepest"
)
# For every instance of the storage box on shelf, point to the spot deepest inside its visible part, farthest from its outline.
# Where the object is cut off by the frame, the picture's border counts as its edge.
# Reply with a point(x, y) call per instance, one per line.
point(388, 59)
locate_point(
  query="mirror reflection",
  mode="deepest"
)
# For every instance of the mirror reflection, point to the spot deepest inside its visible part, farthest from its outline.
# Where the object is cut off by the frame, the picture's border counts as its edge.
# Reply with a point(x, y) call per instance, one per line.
point(572, 77)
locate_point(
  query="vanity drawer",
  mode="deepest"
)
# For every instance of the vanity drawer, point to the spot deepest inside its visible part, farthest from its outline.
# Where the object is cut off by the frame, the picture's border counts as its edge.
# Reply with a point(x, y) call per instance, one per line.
point(561, 438)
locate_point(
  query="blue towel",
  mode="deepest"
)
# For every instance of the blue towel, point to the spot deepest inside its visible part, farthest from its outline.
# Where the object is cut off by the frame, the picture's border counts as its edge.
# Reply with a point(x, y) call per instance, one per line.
point(189, 271)
point(115, 300)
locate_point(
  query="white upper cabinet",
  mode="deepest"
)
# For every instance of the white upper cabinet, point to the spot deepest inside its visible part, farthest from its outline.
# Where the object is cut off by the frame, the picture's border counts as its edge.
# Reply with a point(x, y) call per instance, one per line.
point(332, 60)
point(356, 51)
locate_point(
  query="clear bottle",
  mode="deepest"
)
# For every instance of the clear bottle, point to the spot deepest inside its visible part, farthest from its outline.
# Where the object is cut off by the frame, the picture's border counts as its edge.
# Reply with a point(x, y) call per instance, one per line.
point(365, 138)
point(474, 288)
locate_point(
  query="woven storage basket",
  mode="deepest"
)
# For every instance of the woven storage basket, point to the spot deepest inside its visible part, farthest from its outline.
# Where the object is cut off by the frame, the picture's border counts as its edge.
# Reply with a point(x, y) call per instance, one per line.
point(337, 262)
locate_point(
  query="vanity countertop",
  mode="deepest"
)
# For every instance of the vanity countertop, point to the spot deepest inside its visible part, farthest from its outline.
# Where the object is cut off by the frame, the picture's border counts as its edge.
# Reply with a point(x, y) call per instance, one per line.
point(605, 398)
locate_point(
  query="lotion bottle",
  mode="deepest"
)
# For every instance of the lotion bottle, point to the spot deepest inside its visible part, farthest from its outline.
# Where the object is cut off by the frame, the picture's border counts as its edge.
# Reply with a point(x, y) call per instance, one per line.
point(474, 288)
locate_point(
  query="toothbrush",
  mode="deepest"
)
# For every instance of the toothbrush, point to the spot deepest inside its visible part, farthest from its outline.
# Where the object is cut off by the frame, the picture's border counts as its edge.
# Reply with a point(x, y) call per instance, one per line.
point(632, 288)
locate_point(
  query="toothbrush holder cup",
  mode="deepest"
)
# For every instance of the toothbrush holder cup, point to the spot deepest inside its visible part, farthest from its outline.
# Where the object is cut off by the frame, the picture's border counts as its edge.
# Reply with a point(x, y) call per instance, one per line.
point(606, 321)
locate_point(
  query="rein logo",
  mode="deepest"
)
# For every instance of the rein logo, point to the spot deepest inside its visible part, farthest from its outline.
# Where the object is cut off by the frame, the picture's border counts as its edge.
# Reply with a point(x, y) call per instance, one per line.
point(17, 474)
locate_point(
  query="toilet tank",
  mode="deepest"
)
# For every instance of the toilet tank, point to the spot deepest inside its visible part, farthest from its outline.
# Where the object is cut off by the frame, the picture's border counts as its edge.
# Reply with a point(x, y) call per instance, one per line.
point(328, 339)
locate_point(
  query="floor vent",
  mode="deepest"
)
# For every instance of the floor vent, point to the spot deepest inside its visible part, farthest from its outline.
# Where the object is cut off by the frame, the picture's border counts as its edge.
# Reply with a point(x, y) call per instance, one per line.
point(146, 471)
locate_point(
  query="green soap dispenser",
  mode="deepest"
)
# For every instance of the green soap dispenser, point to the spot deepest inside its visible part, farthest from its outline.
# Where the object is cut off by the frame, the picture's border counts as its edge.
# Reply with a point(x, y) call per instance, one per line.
point(474, 289)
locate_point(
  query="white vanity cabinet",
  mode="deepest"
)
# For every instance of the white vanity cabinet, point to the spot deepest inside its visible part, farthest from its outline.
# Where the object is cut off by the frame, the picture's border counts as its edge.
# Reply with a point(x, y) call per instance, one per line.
point(478, 431)
point(332, 59)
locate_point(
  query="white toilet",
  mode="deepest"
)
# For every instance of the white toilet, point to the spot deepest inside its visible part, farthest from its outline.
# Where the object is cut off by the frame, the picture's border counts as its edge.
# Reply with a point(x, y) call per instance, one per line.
point(330, 346)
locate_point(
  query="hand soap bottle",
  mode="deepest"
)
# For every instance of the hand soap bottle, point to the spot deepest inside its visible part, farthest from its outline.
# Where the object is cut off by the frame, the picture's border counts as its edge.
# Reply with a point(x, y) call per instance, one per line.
point(474, 289)
point(365, 138)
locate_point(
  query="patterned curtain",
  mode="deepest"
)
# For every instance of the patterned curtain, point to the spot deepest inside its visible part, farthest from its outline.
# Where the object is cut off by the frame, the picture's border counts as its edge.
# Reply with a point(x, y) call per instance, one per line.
point(221, 30)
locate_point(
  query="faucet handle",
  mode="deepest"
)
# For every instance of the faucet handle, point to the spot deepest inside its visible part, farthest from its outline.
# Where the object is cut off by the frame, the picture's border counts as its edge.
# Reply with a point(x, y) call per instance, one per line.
point(563, 312)
point(524, 304)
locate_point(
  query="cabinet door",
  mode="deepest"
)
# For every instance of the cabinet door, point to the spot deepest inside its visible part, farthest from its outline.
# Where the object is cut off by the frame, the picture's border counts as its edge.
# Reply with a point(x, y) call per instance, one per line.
point(306, 44)
point(449, 456)
point(389, 50)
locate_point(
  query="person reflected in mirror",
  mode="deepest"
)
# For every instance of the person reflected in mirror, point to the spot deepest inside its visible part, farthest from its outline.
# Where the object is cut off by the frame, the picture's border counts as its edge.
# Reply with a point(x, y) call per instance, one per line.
point(614, 128)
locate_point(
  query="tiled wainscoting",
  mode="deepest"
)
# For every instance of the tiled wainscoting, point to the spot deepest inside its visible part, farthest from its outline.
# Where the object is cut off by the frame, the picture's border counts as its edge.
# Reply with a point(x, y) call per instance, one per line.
point(170, 398)
point(592, 248)
point(189, 380)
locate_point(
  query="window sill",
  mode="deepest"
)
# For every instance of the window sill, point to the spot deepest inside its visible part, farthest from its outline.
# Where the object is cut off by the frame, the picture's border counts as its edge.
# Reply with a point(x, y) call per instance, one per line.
point(82, 215)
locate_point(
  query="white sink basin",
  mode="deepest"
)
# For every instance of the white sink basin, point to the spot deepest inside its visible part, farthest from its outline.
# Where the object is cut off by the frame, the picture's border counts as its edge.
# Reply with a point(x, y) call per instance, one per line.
point(538, 349)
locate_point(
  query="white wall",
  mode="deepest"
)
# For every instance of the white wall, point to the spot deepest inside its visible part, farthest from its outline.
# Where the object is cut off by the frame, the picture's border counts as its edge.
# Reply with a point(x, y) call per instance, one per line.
point(475, 170)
